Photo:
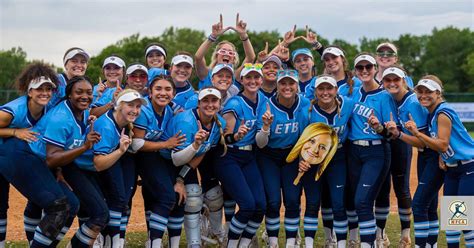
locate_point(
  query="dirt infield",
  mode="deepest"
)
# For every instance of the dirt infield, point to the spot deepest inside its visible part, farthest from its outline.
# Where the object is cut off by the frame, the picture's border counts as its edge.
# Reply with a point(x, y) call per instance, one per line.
point(137, 222)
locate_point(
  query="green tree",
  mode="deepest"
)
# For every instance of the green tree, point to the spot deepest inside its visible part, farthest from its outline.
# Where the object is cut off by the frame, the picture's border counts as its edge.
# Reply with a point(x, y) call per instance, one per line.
point(12, 63)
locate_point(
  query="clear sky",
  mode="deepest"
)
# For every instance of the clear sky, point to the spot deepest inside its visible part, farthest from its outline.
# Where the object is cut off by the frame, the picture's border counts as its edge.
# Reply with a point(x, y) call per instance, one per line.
point(45, 29)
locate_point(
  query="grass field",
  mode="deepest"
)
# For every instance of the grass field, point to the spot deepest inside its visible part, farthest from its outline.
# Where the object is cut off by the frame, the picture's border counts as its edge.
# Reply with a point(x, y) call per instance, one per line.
point(137, 239)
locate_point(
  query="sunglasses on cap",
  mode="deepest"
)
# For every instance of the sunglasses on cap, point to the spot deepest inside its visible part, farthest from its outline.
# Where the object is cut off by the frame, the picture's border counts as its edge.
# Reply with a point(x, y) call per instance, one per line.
point(256, 66)
point(367, 67)
point(291, 73)
point(225, 52)
point(386, 54)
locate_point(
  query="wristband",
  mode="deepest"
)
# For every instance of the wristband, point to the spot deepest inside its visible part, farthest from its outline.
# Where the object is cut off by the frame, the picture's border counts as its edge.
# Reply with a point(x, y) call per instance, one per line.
point(184, 171)
point(229, 138)
point(245, 39)
point(316, 45)
point(179, 179)
point(212, 38)
point(379, 129)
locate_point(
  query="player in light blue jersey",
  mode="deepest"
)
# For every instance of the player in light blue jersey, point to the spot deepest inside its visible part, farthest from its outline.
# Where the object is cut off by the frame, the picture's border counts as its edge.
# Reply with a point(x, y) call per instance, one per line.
point(387, 55)
point(302, 59)
point(224, 53)
point(369, 153)
point(271, 66)
point(115, 126)
point(237, 170)
point(75, 64)
point(203, 128)
point(36, 84)
point(335, 110)
point(156, 172)
point(284, 120)
point(181, 70)
point(222, 78)
point(155, 55)
point(450, 139)
point(393, 80)
point(113, 70)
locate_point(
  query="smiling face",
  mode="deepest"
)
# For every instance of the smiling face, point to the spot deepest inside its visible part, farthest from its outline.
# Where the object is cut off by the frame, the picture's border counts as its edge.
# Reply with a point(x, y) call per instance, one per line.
point(252, 82)
point(365, 71)
point(162, 92)
point(315, 150)
point(426, 97)
point(76, 66)
point(287, 88)
point(137, 80)
point(326, 93)
point(303, 63)
point(209, 106)
point(333, 64)
point(81, 95)
point(222, 80)
point(113, 73)
point(269, 71)
point(155, 59)
point(393, 84)
point(386, 60)
point(181, 72)
point(225, 54)
point(41, 95)
point(130, 110)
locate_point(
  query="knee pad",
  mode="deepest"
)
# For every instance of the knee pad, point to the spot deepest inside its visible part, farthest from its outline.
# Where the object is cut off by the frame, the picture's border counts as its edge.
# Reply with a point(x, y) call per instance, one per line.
point(214, 198)
point(55, 218)
point(194, 198)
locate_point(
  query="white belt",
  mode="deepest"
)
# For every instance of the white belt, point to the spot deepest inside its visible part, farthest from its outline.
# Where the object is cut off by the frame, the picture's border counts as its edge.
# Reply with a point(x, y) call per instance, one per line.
point(243, 148)
point(460, 162)
point(367, 142)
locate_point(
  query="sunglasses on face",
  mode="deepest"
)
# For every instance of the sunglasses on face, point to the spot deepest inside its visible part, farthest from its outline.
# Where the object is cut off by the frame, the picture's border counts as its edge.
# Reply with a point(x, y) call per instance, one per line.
point(291, 73)
point(257, 66)
point(386, 54)
point(139, 76)
point(225, 52)
point(367, 67)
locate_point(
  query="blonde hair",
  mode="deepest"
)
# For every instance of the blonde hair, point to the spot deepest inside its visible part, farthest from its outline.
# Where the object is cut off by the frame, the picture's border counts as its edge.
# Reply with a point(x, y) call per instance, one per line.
point(219, 46)
point(315, 99)
point(437, 80)
point(313, 130)
point(403, 69)
point(117, 107)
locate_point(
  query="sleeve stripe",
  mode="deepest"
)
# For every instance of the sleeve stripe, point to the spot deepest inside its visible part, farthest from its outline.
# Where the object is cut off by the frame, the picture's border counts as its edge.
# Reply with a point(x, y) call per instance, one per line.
point(50, 141)
point(139, 126)
point(447, 114)
point(230, 111)
point(100, 153)
point(8, 110)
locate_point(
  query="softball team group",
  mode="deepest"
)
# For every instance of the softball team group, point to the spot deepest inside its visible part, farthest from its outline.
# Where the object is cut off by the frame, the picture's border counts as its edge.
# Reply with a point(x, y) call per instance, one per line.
point(76, 148)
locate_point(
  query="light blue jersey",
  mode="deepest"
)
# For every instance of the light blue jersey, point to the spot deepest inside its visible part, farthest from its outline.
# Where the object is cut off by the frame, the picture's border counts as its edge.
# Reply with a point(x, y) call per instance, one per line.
point(187, 123)
point(338, 121)
point(307, 88)
point(110, 133)
point(380, 102)
point(268, 95)
point(153, 124)
point(410, 105)
point(288, 123)
point(60, 92)
point(61, 128)
point(183, 94)
point(245, 110)
point(107, 96)
point(461, 145)
point(343, 88)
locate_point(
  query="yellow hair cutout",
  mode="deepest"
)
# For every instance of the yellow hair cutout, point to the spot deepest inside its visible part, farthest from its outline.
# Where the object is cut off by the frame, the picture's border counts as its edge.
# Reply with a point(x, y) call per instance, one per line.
point(309, 132)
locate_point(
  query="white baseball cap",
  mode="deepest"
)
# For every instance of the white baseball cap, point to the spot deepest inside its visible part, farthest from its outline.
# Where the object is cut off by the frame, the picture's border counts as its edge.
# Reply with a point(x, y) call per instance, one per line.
point(332, 50)
point(37, 82)
point(155, 48)
point(389, 45)
point(274, 59)
point(430, 84)
point(364, 57)
point(75, 52)
point(209, 91)
point(395, 71)
point(114, 60)
point(135, 67)
point(325, 79)
point(182, 58)
point(129, 97)
point(220, 67)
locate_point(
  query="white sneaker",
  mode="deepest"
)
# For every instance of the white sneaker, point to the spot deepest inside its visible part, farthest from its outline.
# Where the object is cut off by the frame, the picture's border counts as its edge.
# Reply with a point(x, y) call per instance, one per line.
point(330, 243)
point(99, 241)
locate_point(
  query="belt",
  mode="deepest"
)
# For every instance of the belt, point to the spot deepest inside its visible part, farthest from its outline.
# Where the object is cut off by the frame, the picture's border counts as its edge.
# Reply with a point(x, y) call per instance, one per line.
point(339, 145)
point(459, 163)
point(367, 142)
point(243, 148)
point(421, 149)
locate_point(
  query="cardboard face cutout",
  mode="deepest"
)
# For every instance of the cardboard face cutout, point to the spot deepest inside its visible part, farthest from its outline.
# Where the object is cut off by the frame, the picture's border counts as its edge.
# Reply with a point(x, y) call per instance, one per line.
point(317, 146)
